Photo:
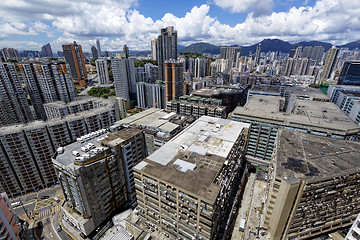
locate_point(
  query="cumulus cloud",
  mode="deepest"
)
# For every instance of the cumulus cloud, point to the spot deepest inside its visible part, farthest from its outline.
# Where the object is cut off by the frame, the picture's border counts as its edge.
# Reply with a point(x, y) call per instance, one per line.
point(259, 7)
point(117, 22)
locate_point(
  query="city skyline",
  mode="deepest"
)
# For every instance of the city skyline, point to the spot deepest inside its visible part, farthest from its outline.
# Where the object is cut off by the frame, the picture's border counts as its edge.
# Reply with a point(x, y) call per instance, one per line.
point(29, 25)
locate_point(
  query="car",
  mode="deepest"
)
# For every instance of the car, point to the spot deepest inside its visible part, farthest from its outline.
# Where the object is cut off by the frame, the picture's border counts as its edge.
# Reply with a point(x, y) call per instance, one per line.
point(44, 197)
point(324, 236)
point(58, 227)
point(56, 199)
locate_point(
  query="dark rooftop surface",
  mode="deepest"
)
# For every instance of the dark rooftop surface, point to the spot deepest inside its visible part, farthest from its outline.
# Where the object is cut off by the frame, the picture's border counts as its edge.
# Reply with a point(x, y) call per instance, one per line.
point(308, 157)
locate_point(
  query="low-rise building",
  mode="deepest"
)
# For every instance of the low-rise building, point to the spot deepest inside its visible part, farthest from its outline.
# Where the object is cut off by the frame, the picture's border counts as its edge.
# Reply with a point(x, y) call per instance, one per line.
point(189, 186)
point(158, 126)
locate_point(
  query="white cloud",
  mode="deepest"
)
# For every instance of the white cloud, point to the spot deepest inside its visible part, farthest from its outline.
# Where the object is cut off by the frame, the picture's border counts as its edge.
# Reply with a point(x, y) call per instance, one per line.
point(116, 23)
point(259, 7)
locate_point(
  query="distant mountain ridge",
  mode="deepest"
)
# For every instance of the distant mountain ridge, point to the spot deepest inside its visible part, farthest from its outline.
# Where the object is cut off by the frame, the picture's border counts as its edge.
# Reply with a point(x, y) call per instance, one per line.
point(267, 45)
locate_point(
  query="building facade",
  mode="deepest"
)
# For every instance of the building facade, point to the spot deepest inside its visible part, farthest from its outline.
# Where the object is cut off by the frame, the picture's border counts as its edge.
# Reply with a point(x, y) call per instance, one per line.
point(75, 58)
point(99, 182)
point(166, 48)
point(181, 188)
point(350, 73)
point(9, 223)
point(13, 103)
point(312, 189)
point(267, 114)
point(173, 80)
point(26, 150)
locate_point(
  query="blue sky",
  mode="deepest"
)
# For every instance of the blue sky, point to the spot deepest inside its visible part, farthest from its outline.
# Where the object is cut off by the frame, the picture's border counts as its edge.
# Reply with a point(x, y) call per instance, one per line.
point(28, 24)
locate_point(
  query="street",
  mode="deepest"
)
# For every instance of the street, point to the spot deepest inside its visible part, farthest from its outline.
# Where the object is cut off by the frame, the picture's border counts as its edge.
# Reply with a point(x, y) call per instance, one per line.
point(42, 213)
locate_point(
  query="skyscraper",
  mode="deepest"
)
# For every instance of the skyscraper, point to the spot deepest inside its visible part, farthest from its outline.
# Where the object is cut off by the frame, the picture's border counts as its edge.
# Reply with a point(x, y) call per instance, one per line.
point(124, 77)
point(153, 49)
point(98, 48)
point(74, 57)
point(329, 64)
point(46, 51)
point(126, 52)
point(94, 52)
point(14, 106)
point(166, 48)
point(200, 67)
point(173, 79)
point(102, 70)
point(258, 52)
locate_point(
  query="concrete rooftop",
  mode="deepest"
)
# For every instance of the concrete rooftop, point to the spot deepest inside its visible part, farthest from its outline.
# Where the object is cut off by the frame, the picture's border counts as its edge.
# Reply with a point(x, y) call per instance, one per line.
point(308, 157)
point(193, 159)
point(315, 115)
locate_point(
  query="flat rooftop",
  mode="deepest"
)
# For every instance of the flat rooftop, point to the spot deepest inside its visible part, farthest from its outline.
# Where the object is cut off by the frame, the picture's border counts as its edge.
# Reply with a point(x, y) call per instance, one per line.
point(266, 88)
point(308, 157)
point(66, 159)
point(307, 92)
point(193, 159)
point(315, 115)
point(153, 118)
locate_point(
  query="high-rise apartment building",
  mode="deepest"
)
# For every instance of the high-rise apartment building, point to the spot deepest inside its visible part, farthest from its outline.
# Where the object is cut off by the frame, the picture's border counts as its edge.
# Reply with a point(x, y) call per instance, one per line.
point(26, 150)
point(94, 52)
point(14, 106)
point(124, 77)
point(230, 52)
point(102, 69)
point(126, 52)
point(257, 53)
point(150, 95)
point(200, 68)
point(187, 187)
point(75, 58)
point(97, 177)
point(350, 73)
point(329, 64)
point(9, 53)
point(9, 223)
point(166, 48)
point(298, 52)
point(98, 48)
point(313, 186)
point(46, 51)
point(153, 49)
point(173, 79)
point(48, 83)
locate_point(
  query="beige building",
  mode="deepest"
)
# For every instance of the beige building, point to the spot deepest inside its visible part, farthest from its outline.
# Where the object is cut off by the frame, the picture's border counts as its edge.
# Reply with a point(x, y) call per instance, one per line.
point(96, 176)
point(314, 185)
point(188, 187)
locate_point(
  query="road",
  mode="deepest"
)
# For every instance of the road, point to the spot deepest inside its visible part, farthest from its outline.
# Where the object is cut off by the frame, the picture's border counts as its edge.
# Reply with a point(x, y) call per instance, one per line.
point(30, 200)
point(49, 229)
point(34, 209)
point(93, 82)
